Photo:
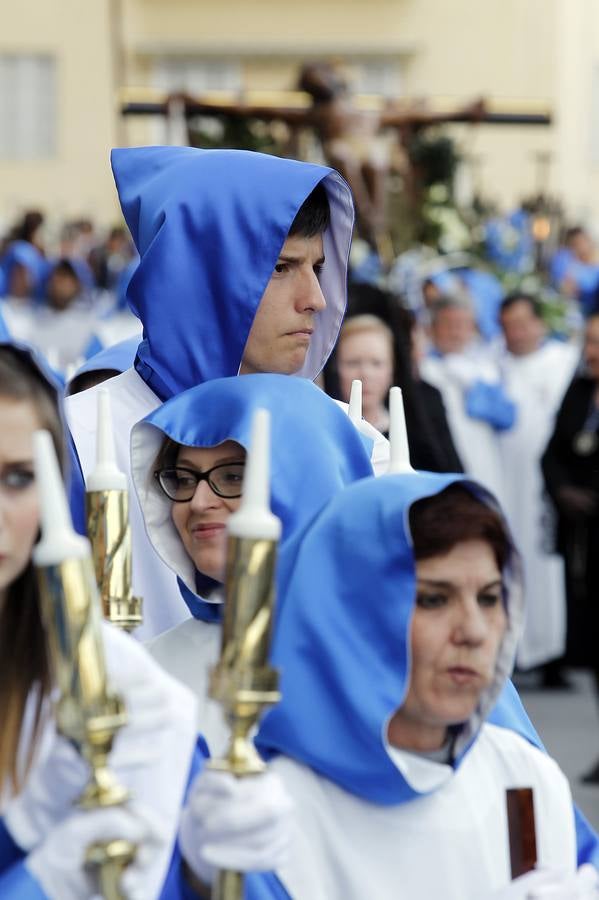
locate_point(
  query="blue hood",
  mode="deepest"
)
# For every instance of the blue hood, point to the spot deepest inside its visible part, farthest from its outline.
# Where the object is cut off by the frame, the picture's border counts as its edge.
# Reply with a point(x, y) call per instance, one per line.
point(316, 451)
point(118, 357)
point(341, 640)
point(209, 226)
point(24, 254)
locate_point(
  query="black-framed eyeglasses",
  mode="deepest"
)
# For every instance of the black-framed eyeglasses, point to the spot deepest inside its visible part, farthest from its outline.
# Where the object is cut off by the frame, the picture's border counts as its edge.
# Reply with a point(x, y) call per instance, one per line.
point(180, 484)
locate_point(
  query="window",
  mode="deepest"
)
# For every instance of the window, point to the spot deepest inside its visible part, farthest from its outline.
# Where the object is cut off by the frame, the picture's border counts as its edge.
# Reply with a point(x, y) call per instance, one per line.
point(196, 75)
point(27, 107)
point(377, 76)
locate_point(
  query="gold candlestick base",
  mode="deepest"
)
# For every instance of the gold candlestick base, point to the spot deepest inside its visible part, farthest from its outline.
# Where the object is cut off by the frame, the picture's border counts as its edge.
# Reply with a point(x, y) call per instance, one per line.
point(109, 860)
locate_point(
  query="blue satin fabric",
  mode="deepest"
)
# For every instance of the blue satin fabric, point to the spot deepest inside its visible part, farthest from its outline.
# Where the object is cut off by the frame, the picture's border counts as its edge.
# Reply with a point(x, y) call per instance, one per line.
point(209, 226)
point(119, 357)
point(315, 449)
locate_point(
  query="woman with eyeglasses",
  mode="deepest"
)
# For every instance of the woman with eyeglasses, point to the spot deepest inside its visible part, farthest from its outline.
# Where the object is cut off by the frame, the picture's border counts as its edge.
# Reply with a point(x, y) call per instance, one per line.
point(43, 836)
point(187, 462)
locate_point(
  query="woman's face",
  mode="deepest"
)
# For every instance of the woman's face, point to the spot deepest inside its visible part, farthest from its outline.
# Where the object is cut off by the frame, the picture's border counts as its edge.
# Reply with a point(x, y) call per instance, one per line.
point(457, 628)
point(367, 356)
point(19, 509)
point(201, 521)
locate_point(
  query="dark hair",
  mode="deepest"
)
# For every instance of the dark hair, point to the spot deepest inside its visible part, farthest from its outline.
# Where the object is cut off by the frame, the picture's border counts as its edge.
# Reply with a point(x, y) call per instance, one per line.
point(453, 516)
point(24, 664)
point(314, 214)
point(573, 232)
point(521, 297)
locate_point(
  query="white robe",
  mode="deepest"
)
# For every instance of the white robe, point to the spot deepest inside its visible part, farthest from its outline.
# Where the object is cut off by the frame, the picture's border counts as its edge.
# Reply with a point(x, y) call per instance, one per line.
point(131, 400)
point(451, 844)
point(537, 383)
point(475, 440)
point(188, 652)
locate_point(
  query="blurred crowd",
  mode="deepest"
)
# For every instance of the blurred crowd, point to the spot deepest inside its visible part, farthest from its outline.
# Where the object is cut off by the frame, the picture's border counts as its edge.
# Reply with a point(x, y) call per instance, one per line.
point(66, 298)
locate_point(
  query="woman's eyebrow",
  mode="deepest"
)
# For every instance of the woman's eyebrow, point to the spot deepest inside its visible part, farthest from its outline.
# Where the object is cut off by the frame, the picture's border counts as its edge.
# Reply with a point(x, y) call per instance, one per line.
point(187, 463)
point(497, 582)
point(446, 585)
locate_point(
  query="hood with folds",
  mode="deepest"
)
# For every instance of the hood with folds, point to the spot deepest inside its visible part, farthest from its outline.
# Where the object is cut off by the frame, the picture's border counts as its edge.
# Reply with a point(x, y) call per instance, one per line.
point(341, 640)
point(315, 451)
point(209, 226)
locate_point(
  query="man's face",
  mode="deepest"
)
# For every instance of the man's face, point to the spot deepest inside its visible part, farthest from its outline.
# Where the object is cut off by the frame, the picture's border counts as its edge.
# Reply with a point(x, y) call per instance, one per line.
point(453, 328)
point(522, 329)
point(287, 316)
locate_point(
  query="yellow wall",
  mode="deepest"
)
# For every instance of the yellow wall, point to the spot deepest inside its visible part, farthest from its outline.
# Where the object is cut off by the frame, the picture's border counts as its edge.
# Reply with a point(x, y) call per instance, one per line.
point(77, 180)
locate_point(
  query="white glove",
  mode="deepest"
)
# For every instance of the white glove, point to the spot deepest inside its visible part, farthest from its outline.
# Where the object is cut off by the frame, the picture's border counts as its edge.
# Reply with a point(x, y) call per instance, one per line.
point(545, 884)
point(150, 756)
point(51, 788)
point(58, 864)
point(242, 824)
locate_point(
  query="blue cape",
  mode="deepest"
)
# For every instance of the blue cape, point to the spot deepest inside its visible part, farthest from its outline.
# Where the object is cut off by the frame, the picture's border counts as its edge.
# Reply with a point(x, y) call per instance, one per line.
point(341, 639)
point(316, 451)
point(209, 226)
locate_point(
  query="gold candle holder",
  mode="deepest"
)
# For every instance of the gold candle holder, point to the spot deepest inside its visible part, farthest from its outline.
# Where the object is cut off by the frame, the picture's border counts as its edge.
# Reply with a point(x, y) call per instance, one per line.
point(243, 681)
point(87, 713)
point(107, 508)
point(110, 536)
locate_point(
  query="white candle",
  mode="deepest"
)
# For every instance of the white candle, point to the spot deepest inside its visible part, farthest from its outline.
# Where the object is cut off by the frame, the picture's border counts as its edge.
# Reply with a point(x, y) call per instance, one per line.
point(59, 541)
point(355, 402)
point(254, 518)
point(106, 476)
point(399, 460)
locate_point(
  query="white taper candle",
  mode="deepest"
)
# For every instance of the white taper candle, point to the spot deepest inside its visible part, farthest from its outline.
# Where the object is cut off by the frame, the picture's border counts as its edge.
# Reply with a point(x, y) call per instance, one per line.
point(355, 402)
point(106, 476)
point(59, 541)
point(254, 518)
point(399, 460)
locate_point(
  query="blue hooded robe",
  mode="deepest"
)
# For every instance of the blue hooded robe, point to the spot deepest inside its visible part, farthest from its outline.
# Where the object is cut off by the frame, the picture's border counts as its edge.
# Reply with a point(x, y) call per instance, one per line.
point(209, 226)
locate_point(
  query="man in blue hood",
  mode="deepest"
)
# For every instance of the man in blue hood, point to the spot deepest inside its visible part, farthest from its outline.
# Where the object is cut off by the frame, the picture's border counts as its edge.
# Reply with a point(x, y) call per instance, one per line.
point(243, 266)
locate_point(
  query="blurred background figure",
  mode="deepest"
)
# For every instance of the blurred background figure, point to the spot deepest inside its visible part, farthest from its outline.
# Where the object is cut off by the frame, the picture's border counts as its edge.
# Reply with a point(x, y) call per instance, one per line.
point(575, 269)
point(383, 341)
point(469, 381)
point(535, 371)
point(365, 351)
point(571, 470)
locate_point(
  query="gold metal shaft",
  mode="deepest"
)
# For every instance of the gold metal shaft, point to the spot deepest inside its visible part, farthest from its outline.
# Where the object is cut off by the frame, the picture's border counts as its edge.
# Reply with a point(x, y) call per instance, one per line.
point(110, 536)
point(243, 681)
point(87, 713)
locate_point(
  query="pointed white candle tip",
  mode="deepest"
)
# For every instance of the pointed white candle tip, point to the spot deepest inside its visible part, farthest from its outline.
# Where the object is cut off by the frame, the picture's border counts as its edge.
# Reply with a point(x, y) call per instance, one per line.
point(399, 461)
point(355, 402)
point(254, 518)
point(106, 476)
point(58, 541)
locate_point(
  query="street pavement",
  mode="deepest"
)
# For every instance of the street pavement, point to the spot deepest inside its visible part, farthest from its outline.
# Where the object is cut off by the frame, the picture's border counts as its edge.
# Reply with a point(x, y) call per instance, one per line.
point(568, 723)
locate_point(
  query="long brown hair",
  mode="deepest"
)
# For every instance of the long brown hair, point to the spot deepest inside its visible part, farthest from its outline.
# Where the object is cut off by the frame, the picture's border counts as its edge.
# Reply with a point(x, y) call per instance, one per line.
point(24, 663)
